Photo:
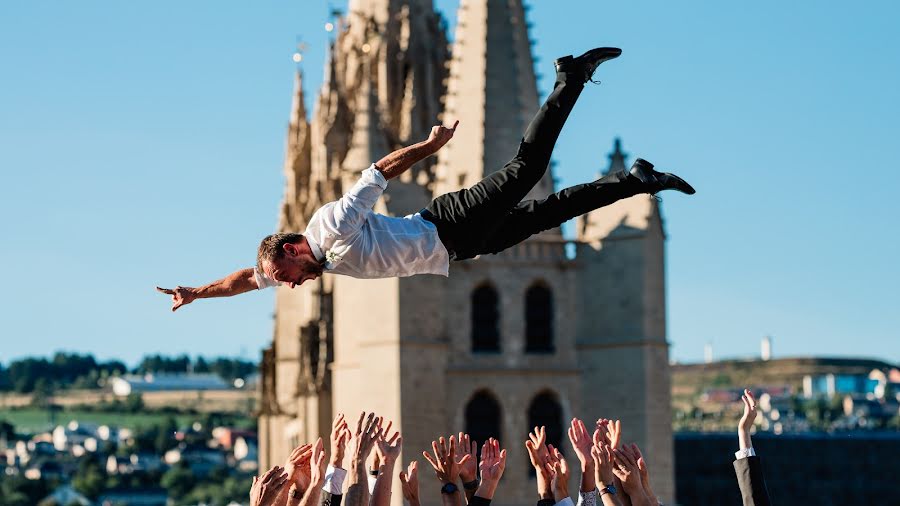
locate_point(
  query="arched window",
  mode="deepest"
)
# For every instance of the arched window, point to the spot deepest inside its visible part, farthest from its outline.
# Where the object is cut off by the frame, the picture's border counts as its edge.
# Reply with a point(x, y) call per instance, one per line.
point(546, 411)
point(539, 319)
point(485, 320)
point(483, 417)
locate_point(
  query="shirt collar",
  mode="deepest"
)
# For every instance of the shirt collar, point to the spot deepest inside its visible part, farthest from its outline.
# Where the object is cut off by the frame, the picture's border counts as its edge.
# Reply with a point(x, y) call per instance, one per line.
point(316, 250)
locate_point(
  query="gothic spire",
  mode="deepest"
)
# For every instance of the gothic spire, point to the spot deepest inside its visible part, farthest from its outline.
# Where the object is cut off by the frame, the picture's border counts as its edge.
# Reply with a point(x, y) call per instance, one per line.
point(617, 157)
point(368, 142)
point(492, 91)
point(297, 164)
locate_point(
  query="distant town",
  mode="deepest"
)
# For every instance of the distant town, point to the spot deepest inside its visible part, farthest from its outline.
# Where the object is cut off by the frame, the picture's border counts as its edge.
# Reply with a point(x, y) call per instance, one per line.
point(800, 394)
point(75, 431)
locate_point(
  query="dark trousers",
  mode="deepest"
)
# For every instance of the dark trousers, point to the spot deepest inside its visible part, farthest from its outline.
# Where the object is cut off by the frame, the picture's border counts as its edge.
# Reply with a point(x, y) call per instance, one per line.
point(490, 216)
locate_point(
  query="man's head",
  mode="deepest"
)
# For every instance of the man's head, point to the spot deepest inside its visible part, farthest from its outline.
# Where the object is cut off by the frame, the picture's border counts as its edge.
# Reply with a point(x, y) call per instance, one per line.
point(287, 258)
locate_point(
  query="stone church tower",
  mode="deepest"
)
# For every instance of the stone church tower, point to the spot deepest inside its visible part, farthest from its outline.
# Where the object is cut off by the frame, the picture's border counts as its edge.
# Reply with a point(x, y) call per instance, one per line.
point(532, 336)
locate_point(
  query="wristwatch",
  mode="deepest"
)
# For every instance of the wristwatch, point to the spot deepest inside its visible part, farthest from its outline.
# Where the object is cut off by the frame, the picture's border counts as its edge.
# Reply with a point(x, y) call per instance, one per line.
point(609, 489)
point(449, 488)
point(471, 485)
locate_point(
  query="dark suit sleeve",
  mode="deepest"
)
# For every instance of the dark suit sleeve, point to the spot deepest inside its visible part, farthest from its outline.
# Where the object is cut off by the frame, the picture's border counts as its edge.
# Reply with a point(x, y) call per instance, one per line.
point(752, 482)
point(479, 501)
point(329, 499)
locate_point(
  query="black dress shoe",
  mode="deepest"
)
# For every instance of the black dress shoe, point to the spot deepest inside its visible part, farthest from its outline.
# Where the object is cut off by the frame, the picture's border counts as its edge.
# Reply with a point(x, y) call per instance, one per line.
point(585, 65)
point(658, 181)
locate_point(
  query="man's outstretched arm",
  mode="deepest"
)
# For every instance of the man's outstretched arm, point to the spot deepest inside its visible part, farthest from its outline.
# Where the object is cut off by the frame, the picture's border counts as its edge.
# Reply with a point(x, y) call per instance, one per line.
point(235, 283)
point(400, 161)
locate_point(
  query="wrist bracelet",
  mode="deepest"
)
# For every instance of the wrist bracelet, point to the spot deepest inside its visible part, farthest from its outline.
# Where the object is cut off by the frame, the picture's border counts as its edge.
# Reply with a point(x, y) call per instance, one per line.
point(471, 485)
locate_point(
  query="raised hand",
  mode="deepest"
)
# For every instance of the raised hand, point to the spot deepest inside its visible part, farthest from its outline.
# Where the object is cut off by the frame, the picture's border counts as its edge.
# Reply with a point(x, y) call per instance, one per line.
point(746, 423)
point(444, 462)
point(603, 458)
point(317, 465)
point(388, 449)
point(297, 466)
point(492, 465)
point(467, 458)
point(645, 474)
point(340, 436)
point(559, 472)
point(409, 481)
point(626, 470)
point(265, 490)
point(441, 135)
point(614, 433)
point(538, 454)
point(367, 432)
point(582, 444)
point(181, 295)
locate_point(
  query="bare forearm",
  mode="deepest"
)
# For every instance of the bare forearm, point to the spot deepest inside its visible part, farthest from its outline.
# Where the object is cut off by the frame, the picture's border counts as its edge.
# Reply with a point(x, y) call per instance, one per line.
point(381, 496)
point(358, 490)
point(312, 495)
point(233, 284)
point(744, 438)
point(400, 161)
point(588, 480)
point(610, 500)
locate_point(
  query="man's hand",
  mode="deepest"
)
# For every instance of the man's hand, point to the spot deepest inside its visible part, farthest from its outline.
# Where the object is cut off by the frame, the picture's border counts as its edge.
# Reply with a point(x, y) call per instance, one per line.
point(366, 434)
point(626, 470)
point(297, 466)
point(317, 464)
point(645, 474)
point(181, 295)
point(747, 420)
point(265, 490)
point(444, 462)
point(468, 467)
point(493, 463)
point(582, 444)
point(614, 432)
point(409, 480)
point(388, 449)
point(340, 435)
point(603, 458)
point(538, 454)
point(441, 135)
point(558, 469)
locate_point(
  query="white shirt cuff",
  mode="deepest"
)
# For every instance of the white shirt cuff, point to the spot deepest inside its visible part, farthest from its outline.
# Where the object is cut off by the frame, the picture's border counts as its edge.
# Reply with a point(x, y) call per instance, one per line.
point(374, 175)
point(566, 502)
point(263, 281)
point(334, 480)
point(587, 498)
point(743, 454)
point(372, 480)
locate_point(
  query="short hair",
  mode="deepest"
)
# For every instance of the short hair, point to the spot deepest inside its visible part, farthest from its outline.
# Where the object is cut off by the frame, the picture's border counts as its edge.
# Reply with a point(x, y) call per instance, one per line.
point(272, 247)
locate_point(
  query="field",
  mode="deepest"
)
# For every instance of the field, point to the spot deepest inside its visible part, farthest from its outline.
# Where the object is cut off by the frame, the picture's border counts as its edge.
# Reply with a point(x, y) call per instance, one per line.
point(31, 420)
point(17, 409)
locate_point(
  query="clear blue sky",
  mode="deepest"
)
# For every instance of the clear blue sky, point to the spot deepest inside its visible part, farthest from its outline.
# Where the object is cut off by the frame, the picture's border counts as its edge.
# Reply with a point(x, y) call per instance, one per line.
point(141, 143)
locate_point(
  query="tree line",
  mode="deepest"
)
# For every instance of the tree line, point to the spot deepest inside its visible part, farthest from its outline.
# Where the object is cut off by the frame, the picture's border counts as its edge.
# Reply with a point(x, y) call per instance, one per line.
point(83, 371)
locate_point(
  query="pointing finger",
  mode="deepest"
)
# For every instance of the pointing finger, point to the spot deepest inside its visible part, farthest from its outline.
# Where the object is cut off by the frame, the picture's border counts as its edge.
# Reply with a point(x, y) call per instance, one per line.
point(456, 124)
point(165, 291)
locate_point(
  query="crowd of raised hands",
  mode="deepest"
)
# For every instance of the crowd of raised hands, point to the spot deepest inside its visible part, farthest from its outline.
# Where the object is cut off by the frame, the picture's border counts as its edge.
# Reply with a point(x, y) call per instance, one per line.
point(612, 473)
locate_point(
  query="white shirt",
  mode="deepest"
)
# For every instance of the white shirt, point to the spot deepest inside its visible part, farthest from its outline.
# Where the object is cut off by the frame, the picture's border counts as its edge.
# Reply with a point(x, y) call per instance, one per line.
point(358, 242)
point(334, 480)
point(743, 454)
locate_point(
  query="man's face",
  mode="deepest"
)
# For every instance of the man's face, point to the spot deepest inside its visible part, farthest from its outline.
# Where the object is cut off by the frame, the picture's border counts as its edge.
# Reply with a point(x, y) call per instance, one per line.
point(295, 267)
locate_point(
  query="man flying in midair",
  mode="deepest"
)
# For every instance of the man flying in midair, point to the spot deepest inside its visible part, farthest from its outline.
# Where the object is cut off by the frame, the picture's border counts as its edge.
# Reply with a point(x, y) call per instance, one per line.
point(347, 237)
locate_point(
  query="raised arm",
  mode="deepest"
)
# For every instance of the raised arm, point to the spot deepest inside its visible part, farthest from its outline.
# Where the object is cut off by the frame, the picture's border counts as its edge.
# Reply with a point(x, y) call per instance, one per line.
point(232, 284)
point(400, 161)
